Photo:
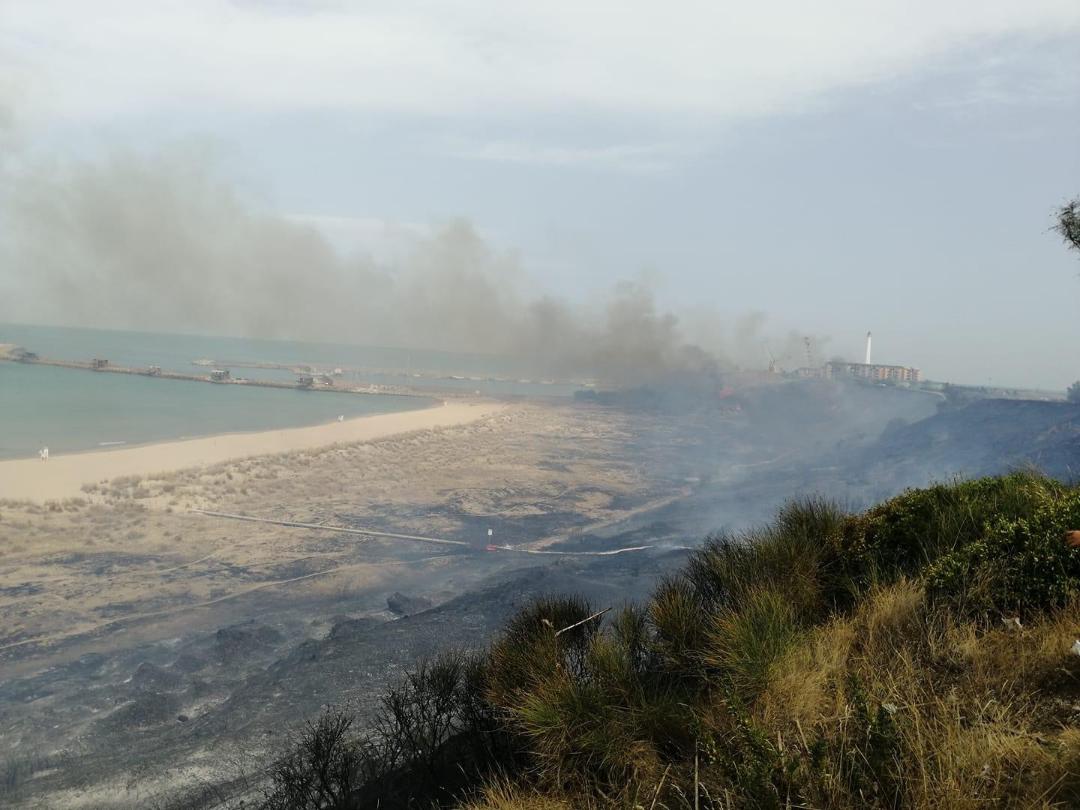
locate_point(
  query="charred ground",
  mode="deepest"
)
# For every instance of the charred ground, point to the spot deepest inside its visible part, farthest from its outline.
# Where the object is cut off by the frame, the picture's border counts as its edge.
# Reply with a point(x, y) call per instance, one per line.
point(196, 696)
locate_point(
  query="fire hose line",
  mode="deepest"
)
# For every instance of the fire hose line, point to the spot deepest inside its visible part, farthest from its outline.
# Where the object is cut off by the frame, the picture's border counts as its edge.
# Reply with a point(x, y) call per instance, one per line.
point(415, 537)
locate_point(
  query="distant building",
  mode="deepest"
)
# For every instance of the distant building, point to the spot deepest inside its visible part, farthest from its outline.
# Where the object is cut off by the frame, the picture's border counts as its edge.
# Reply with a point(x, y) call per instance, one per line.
point(305, 380)
point(219, 375)
point(99, 362)
point(154, 371)
point(875, 372)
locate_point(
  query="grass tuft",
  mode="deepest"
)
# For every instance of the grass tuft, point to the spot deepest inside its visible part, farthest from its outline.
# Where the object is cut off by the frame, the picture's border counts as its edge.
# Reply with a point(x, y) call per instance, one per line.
point(917, 655)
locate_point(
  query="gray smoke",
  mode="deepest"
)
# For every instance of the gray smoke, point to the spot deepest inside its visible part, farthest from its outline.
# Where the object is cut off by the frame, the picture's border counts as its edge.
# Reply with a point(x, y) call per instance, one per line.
point(163, 243)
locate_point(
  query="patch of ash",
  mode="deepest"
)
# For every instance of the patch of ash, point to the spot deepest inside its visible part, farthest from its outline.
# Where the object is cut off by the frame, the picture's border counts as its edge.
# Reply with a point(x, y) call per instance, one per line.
point(189, 663)
point(151, 677)
point(404, 605)
point(23, 589)
point(243, 641)
point(145, 711)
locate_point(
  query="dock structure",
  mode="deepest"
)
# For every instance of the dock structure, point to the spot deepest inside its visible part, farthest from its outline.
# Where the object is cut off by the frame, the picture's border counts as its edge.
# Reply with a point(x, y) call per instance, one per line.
point(356, 372)
point(16, 354)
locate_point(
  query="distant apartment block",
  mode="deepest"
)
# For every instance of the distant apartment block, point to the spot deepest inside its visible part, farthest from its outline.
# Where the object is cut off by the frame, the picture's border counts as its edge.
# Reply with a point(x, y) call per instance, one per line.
point(874, 372)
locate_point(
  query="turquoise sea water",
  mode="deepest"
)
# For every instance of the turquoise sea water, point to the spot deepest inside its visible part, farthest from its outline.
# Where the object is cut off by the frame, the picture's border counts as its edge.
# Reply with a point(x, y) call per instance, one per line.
point(449, 370)
point(72, 410)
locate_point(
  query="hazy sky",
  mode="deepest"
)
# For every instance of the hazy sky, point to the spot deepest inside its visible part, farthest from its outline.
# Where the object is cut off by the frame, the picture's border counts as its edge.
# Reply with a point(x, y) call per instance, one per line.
point(840, 165)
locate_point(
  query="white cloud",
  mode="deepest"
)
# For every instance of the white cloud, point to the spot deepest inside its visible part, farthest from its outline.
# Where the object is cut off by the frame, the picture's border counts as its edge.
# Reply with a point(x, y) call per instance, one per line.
point(1008, 78)
point(118, 58)
point(633, 158)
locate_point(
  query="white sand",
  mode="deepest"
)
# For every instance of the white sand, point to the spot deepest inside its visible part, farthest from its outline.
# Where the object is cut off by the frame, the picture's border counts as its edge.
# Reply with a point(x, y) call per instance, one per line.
point(63, 476)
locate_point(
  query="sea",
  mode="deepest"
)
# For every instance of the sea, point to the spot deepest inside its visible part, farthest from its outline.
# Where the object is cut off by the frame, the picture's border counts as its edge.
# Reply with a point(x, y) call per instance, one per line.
point(74, 410)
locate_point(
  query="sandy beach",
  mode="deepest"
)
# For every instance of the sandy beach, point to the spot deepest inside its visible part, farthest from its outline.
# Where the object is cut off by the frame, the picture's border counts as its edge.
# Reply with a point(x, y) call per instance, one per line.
point(128, 557)
point(123, 608)
point(64, 476)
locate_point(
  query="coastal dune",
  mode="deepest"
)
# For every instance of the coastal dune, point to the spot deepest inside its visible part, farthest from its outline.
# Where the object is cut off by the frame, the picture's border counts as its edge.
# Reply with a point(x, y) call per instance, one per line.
point(64, 476)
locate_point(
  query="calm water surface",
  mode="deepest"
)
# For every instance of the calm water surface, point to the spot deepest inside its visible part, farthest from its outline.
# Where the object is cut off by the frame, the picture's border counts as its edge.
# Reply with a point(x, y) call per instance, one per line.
point(71, 410)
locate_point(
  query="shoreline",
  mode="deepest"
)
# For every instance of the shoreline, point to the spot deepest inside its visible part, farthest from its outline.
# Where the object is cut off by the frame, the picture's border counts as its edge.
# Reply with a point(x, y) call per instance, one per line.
point(63, 476)
point(113, 446)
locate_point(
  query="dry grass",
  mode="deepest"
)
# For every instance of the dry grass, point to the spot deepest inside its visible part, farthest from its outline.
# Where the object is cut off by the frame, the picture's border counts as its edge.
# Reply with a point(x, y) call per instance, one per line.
point(503, 795)
point(818, 663)
point(981, 713)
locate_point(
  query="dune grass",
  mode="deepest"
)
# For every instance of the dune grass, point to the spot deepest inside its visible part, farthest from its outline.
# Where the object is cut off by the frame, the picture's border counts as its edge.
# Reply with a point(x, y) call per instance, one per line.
point(917, 655)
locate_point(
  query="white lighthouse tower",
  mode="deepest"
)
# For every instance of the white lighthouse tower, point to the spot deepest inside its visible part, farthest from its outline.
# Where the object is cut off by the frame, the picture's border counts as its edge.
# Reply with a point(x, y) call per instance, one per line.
point(869, 340)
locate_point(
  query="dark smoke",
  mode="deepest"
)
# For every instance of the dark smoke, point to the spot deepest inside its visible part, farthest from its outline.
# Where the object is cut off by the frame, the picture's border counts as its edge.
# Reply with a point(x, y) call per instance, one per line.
point(163, 243)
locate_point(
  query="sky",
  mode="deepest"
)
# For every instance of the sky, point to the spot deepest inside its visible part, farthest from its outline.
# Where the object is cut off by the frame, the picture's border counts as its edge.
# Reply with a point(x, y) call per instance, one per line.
point(836, 166)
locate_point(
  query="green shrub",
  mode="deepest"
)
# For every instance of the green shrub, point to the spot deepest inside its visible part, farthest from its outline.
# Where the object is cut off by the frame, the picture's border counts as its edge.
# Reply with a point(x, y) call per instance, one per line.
point(755, 773)
point(530, 647)
point(745, 642)
point(788, 554)
point(856, 763)
point(606, 723)
point(679, 634)
point(630, 628)
point(905, 534)
point(1020, 564)
point(869, 756)
point(569, 724)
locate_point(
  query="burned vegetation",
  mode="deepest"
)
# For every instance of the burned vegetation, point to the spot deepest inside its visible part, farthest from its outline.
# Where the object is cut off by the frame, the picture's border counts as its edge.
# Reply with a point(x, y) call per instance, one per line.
point(918, 654)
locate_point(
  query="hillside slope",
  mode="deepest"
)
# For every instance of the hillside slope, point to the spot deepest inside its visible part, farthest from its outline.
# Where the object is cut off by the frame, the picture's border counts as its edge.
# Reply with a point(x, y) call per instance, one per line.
point(983, 438)
point(918, 654)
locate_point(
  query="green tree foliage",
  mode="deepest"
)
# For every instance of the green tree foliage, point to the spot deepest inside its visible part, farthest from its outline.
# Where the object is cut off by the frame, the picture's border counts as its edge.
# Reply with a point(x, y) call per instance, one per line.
point(1072, 394)
point(1067, 223)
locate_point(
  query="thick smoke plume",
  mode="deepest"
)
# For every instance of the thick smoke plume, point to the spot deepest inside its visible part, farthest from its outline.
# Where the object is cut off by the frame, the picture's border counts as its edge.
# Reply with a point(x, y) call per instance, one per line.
point(163, 243)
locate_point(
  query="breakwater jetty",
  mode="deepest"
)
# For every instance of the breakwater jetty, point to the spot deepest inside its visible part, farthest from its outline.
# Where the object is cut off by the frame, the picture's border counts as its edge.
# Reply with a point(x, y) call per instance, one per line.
point(358, 372)
point(217, 376)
